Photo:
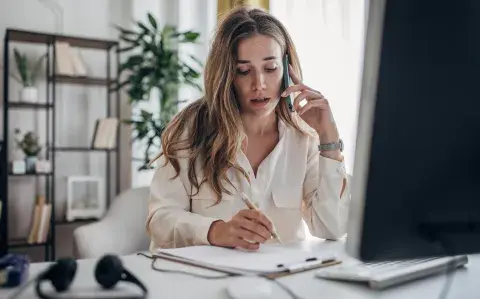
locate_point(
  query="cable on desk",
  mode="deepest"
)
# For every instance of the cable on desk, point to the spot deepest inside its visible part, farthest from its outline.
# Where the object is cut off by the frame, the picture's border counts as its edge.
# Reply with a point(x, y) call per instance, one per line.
point(450, 269)
point(155, 268)
point(435, 233)
point(154, 259)
point(448, 283)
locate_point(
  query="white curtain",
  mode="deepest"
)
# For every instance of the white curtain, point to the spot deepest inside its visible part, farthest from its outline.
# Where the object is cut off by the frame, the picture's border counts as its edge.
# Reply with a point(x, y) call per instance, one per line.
point(329, 35)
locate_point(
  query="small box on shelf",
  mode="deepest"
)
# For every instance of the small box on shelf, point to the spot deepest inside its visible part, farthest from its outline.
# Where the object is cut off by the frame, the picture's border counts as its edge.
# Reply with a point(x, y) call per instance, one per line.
point(85, 198)
point(43, 166)
point(18, 167)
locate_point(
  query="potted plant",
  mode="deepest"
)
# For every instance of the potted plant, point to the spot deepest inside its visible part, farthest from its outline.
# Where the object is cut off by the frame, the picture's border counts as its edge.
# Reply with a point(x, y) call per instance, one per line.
point(28, 76)
point(30, 147)
point(155, 64)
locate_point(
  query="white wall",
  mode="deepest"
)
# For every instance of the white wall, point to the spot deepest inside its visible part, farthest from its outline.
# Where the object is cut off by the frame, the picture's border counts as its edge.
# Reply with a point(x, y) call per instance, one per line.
point(77, 107)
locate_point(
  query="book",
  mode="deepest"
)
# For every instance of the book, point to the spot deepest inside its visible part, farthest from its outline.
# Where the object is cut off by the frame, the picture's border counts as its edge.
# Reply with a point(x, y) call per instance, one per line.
point(42, 234)
point(78, 65)
point(64, 63)
point(36, 220)
point(68, 61)
point(105, 133)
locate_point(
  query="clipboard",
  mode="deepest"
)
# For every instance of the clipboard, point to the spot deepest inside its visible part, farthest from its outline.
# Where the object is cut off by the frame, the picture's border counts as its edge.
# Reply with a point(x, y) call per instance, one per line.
point(283, 271)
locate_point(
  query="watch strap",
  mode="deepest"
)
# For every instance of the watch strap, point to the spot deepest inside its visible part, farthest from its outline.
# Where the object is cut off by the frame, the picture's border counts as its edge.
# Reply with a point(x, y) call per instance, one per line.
point(333, 146)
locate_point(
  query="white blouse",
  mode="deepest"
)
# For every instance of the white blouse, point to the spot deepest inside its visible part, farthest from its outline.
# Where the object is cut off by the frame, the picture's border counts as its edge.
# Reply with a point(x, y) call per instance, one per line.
point(294, 183)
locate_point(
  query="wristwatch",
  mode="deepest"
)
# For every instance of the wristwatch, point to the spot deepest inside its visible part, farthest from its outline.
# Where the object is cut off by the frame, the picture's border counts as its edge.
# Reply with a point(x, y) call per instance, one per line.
point(331, 146)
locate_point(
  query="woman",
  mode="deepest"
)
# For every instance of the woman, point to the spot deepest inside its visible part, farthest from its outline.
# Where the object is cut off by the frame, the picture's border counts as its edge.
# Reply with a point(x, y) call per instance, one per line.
point(241, 137)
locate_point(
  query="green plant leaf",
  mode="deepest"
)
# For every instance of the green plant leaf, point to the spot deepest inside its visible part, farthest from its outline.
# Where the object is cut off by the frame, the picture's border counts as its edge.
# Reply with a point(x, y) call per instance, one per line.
point(135, 60)
point(126, 49)
point(124, 31)
point(16, 78)
point(194, 84)
point(143, 27)
point(152, 20)
point(22, 66)
point(150, 47)
point(130, 40)
point(200, 63)
point(37, 67)
point(129, 121)
point(191, 36)
point(155, 63)
point(147, 116)
point(118, 86)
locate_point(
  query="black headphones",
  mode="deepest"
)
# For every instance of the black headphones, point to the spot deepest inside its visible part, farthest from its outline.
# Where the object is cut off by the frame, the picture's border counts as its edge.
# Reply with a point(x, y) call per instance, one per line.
point(108, 272)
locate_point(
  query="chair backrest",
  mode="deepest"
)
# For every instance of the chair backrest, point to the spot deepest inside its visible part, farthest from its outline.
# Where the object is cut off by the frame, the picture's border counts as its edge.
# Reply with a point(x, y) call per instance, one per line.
point(128, 212)
point(132, 202)
point(121, 231)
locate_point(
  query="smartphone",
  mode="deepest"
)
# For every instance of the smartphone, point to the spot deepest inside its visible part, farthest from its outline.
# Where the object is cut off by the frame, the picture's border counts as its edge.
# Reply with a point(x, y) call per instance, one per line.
point(286, 82)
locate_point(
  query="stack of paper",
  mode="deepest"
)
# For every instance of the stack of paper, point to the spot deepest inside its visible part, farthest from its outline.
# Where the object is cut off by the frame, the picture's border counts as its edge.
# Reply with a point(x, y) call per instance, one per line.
point(270, 258)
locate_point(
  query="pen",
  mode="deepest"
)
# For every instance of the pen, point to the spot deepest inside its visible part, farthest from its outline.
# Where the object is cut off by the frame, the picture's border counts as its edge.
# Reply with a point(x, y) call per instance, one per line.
point(309, 263)
point(251, 206)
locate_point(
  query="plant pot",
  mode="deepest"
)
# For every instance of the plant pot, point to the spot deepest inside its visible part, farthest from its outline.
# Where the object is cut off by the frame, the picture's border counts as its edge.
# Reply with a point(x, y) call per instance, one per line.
point(29, 94)
point(30, 162)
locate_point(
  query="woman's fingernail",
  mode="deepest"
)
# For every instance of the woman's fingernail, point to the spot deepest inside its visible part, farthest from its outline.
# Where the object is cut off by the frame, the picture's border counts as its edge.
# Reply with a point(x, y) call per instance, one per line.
point(284, 93)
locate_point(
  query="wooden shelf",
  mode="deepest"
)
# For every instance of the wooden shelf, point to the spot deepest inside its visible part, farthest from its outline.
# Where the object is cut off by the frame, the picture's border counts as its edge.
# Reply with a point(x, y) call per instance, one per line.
point(19, 35)
point(81, 80)
point(77, 221)
point(81, 149)
point(20, 105)
point(22, 243)
point(29, 174)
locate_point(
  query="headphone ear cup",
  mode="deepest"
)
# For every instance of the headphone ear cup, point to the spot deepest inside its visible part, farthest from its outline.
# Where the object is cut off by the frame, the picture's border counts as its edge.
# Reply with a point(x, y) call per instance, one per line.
point(61, 274)
point(108, 271)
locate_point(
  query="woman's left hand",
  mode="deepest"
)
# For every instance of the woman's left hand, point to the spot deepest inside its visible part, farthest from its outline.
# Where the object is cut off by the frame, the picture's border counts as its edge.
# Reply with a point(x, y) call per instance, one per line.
point(316, 112)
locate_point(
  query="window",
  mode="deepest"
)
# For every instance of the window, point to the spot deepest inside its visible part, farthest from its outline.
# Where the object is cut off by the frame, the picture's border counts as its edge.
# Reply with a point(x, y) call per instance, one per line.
point(328, 35)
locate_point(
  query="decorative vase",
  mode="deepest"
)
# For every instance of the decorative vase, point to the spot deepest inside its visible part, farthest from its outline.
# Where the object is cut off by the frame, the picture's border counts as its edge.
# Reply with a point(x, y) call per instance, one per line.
point(30, 162)
point(29, 94)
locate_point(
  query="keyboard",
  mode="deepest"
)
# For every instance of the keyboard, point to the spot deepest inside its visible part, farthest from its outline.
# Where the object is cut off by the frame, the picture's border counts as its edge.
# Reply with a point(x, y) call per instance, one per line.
point(380, 275)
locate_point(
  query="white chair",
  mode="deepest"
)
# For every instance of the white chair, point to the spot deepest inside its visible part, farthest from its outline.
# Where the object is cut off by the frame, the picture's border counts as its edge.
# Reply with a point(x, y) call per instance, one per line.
point(121, 231)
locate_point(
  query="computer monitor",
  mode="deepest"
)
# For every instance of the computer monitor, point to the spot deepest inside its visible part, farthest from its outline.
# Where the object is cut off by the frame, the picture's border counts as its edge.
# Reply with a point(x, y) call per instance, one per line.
point(416, 177)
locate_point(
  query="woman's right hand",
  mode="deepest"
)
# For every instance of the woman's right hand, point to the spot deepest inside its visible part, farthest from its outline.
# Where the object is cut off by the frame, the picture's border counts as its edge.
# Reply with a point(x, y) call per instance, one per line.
point(247, 229)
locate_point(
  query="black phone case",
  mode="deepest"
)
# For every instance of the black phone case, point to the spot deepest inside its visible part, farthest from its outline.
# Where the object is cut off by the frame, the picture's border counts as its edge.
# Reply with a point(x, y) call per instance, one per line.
point(286, 77)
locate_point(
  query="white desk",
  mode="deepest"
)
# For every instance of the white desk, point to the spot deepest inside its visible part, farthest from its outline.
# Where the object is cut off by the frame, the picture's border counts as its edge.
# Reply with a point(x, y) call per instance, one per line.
point(466, 283)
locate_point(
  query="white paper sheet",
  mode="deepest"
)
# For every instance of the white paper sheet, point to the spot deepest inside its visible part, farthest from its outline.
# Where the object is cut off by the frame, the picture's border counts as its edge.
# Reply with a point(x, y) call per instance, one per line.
point(264, 260)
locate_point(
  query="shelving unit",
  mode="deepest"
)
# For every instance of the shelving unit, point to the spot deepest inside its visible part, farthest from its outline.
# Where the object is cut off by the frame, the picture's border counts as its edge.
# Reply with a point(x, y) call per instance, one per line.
point(52, 79)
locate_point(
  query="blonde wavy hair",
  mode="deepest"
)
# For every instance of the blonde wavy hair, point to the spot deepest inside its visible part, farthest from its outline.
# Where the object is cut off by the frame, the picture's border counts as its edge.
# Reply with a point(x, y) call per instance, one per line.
point(210, 129)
